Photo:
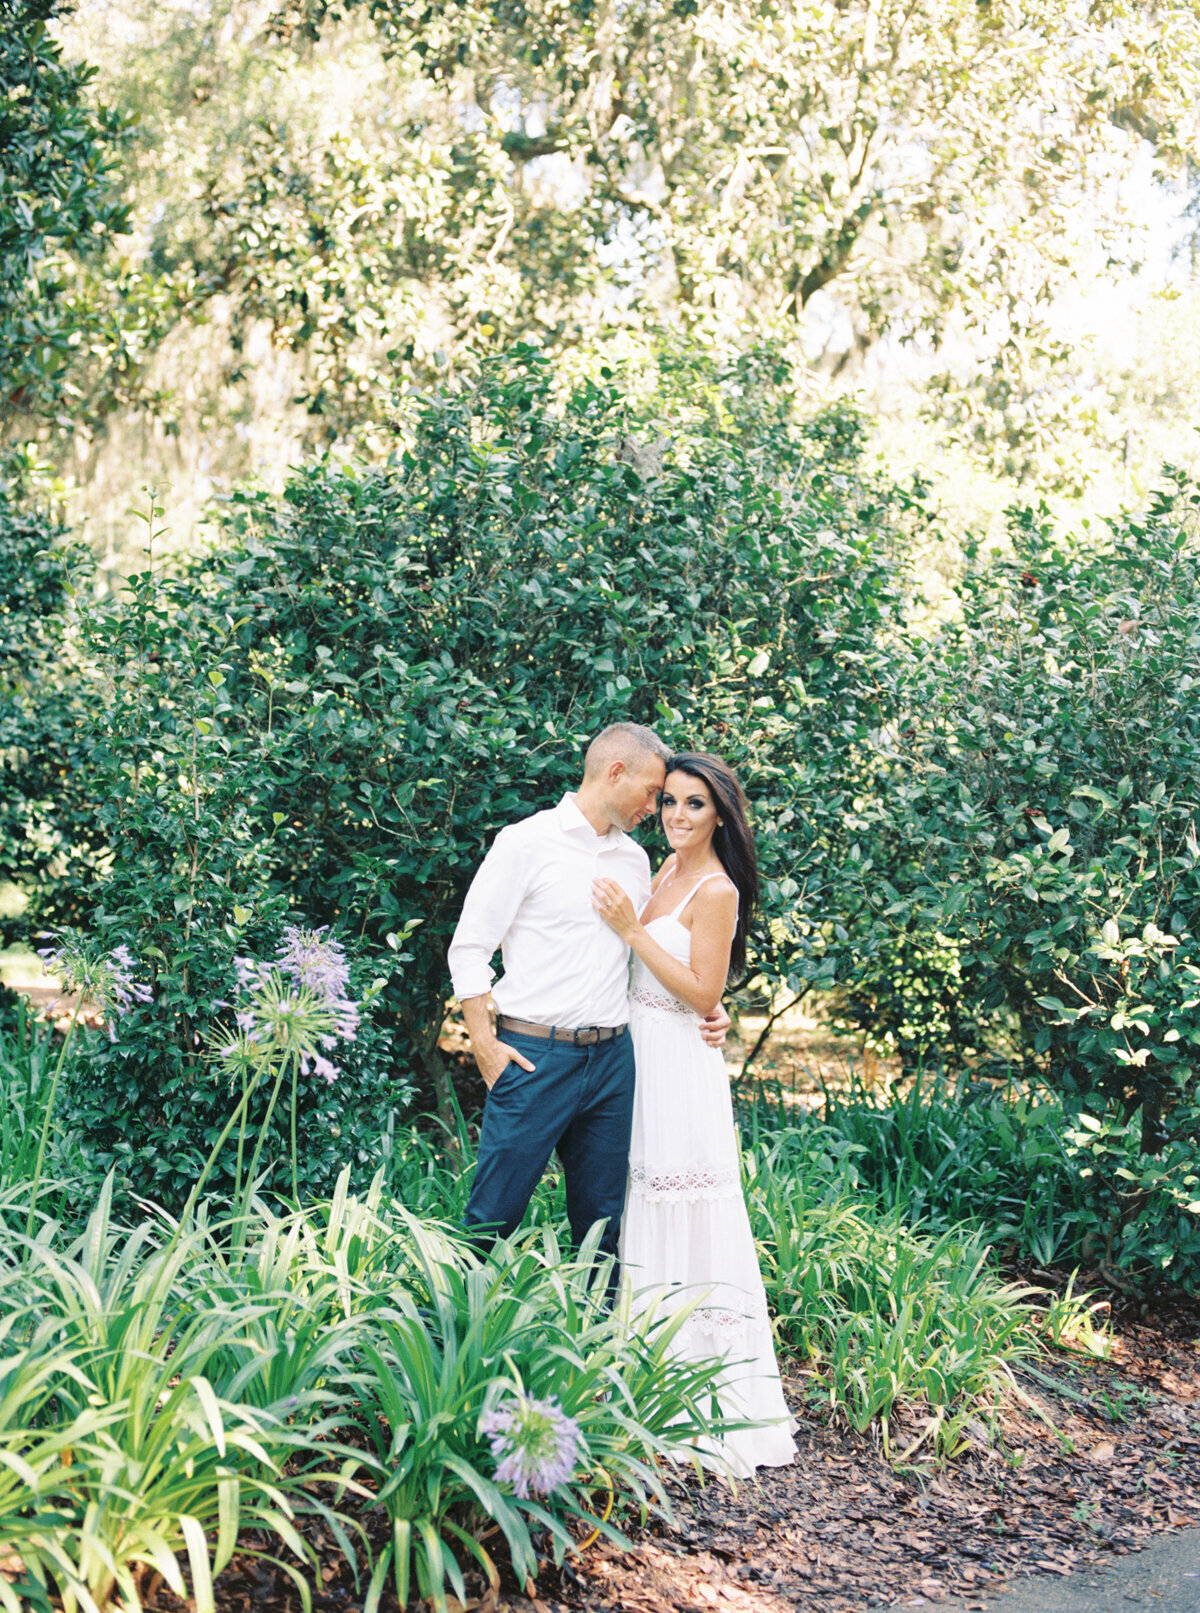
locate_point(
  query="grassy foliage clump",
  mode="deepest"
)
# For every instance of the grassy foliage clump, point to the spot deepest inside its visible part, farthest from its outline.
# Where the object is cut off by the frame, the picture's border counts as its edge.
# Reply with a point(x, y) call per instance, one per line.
point(167, 1388)
point(25, 1066)
point(1051, 1184)
point(878, 1231)
point(889, 1315)
point(944, 1155)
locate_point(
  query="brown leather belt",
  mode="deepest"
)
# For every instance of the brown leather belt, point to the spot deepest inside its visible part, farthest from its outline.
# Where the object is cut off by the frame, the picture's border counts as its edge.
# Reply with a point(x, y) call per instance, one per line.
point(585, 1036)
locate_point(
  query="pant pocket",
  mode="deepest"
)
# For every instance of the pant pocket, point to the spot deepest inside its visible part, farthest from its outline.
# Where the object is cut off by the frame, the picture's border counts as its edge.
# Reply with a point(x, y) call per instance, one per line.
point(513, 1074)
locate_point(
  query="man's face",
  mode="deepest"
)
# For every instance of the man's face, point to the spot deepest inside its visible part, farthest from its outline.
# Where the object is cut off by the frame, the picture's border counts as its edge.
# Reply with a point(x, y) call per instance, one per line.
point(634, 792)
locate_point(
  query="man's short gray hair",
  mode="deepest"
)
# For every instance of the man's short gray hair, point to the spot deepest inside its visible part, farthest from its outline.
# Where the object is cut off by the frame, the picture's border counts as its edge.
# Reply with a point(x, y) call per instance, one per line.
point(627, 742)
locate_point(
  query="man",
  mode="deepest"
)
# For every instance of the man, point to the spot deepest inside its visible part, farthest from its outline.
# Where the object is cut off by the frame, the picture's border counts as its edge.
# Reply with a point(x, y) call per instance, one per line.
point(559, 1064)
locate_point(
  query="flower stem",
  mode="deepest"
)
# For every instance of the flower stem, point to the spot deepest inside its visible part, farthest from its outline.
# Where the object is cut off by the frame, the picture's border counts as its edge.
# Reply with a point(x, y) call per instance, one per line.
point(295, 1182)
point(237, 1181)
point(244, 1193)
point(238, 1114)
point(50, 1101)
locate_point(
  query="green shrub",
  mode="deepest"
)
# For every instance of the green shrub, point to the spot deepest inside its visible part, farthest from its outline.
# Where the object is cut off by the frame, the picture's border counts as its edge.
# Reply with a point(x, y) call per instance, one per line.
point(340, 705)
point(944, 1155)
point(432, 643)
point(186, 878)
point(1042, 1183)
point(905, 995)
point(1046, 1181)
point(13, 1010)
point(1141, 1210)
point(1039, 812)
point(48, 838)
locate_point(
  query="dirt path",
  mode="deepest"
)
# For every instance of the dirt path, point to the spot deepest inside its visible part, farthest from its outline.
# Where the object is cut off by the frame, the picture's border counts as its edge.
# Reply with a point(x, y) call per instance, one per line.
point(1165, 1575)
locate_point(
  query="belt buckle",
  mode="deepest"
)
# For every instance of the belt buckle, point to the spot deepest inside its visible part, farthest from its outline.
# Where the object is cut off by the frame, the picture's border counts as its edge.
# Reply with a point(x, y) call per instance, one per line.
point(586, 1035)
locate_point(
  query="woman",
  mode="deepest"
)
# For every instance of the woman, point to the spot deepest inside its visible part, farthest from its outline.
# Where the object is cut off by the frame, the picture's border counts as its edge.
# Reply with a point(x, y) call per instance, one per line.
point(685, 1226)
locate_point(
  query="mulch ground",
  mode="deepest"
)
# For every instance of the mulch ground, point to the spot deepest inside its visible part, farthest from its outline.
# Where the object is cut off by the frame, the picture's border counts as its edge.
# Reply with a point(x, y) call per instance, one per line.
point(844, 1530)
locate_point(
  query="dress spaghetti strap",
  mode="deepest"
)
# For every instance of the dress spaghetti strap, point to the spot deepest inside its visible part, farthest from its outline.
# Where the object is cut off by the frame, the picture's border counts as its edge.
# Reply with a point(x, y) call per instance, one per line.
point(720, 874)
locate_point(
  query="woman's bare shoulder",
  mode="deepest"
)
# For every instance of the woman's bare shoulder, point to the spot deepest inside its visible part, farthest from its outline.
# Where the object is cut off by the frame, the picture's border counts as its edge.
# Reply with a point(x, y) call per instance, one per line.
point(715, 904)
point(717, 892)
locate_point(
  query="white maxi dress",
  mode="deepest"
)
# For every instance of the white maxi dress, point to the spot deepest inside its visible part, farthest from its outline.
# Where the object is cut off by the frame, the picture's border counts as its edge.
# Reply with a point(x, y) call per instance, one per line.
point(685, 1234)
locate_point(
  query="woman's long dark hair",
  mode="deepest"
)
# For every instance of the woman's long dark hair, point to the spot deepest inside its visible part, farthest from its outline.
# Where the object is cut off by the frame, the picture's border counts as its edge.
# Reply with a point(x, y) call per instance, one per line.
point(732, 839)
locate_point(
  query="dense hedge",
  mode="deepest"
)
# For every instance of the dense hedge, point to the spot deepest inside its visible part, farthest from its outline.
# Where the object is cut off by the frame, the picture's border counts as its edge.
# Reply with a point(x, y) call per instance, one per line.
point(981, 835)
point(334, 711)
point(1040, 819)
point(432, 643)
point(45, 841)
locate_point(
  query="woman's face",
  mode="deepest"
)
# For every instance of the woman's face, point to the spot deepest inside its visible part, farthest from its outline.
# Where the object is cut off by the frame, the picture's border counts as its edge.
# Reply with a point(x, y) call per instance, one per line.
point(689, 814)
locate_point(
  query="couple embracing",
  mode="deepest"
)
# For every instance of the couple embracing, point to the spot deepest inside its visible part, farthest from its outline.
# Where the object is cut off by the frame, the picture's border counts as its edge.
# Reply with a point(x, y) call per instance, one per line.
point(624, 1077)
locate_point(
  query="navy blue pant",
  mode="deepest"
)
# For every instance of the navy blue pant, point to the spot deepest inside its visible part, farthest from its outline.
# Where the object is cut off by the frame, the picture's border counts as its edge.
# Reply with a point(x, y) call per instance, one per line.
point(578, 1100)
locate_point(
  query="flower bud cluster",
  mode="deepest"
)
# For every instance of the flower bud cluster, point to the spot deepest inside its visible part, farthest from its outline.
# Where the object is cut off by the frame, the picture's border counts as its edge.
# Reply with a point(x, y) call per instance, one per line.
point(535, 1444)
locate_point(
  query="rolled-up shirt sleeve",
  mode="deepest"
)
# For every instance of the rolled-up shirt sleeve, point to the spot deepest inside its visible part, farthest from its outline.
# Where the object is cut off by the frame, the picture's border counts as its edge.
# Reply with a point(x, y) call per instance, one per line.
point(490, 907)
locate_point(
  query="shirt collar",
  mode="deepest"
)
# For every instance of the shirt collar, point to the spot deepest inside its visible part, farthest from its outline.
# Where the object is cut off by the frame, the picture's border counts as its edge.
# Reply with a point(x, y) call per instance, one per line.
point(572, 821)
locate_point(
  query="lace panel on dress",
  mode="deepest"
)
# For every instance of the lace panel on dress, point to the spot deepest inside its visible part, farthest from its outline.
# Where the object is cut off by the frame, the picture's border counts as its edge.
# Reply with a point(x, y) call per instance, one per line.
point(685, 1183)
point(646, 997)
point(709, 1322)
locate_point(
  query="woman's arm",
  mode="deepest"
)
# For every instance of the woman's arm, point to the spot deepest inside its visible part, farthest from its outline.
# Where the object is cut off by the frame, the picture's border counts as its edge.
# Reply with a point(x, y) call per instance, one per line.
point(701, 980)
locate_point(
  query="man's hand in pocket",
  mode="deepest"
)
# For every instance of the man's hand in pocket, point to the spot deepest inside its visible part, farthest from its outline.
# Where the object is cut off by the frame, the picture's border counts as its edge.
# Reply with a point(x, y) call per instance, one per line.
point(494, 1057)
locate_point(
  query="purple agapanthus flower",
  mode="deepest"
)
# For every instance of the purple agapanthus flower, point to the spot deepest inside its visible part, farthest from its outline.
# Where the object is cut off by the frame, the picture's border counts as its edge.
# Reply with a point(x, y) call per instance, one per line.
point(534, 1442)
point(127, 990)
point(296, 1005)
point(328, 1071)
point(319, 964)
point(105, 980)
point(249, 973)
point(123, 989)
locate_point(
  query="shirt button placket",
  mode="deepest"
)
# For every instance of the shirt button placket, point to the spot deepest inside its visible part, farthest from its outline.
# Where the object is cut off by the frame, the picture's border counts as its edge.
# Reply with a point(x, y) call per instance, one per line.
point(597, 932)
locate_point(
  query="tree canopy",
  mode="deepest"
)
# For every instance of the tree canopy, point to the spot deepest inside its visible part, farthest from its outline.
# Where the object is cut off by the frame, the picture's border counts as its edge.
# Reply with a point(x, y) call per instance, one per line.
point(58, 202)
point(361, 190)
point(566, 164)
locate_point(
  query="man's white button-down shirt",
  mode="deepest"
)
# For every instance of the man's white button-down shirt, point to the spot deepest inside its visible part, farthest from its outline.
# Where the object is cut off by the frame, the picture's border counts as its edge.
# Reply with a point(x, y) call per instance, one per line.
point(532, 898)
